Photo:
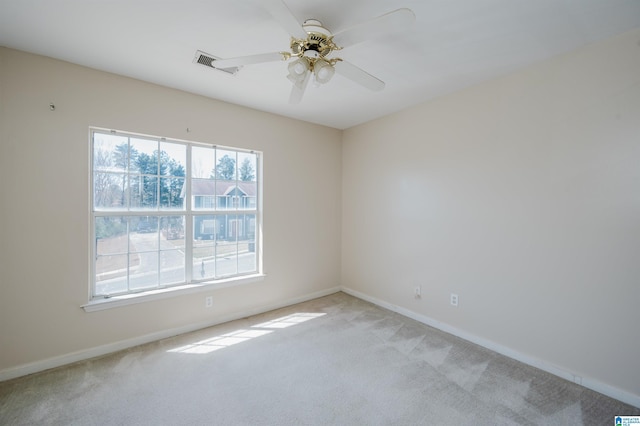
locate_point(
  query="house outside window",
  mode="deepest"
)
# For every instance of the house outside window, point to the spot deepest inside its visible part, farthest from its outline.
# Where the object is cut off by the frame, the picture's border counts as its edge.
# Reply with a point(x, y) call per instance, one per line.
point(167, 213)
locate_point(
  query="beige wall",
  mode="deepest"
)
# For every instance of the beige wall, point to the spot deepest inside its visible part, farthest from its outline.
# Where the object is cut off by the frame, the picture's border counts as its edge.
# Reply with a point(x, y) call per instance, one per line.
point(521, 195)
point(44, 220)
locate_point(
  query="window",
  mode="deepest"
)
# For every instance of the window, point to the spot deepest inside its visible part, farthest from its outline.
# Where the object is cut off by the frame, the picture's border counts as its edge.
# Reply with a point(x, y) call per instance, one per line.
point(167, 213)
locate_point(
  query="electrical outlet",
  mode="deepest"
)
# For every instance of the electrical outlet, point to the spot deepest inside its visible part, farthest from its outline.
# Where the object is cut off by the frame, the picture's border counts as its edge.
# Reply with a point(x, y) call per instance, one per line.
point(454, 299)
point(417, 292)
point(208, 301)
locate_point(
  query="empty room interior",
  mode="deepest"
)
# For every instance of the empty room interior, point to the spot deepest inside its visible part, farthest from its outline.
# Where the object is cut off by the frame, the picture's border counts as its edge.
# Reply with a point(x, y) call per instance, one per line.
point(462, 195)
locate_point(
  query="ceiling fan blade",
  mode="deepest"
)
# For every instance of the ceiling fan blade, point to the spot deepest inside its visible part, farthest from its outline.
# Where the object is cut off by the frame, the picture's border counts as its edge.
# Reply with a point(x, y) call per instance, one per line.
point(363, 78)
point(385, 24)
point(251, 59)
point(279, 10)
point(298, 89)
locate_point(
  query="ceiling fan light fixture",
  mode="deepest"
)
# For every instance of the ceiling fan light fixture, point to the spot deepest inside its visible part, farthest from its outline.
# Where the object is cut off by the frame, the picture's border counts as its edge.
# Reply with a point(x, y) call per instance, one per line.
point(323, 71)
point(298, 69)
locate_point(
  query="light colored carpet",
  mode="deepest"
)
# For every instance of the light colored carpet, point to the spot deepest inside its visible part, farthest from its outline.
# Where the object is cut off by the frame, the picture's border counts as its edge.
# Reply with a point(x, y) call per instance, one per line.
point(336, 360)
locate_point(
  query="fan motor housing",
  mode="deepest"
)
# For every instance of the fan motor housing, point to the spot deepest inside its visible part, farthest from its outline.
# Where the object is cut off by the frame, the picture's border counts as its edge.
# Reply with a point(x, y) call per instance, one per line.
point(319, 40)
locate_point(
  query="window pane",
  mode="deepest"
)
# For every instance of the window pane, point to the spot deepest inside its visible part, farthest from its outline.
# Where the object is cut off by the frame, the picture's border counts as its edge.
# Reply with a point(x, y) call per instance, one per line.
point(247, 167)
point(143, 268)
point(143, 192)
point(111, 274)
point(172, 267)
point(110, 152)
point(226, 165)
point(204, 233)
point(144, 156)
point(112, 246)
point(247, 245)
point(144, 234)
point(172, 232)
point(111, 266)
point(172, 255)
point(111, 235)
point(171, 193)
point(173, 159)
point(202, 162)
point(249, 177)
point(143, 252)
point(108, 190)
point(203, 194)
point(227, 194)
point(227, 247)
point(247, 192)
point(204, 268)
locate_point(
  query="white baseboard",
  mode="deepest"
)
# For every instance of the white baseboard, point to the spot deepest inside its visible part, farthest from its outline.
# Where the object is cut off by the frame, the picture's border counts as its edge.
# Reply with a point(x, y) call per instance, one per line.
point(587, 382)
point(46, 364)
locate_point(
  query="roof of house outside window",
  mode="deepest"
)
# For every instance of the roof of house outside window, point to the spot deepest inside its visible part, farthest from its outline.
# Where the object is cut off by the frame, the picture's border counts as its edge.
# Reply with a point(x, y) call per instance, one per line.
point(210, 187)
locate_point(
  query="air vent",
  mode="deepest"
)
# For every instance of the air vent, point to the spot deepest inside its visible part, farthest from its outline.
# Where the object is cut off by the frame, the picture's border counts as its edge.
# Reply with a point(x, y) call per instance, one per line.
point(210, 61)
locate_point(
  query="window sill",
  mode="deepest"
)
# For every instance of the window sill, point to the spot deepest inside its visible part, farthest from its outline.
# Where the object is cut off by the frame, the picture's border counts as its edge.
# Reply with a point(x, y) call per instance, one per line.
point(165, 293)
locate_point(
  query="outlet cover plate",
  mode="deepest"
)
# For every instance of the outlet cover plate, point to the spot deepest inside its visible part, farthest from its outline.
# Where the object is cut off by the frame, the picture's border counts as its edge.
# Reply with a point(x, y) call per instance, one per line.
point(454, 299)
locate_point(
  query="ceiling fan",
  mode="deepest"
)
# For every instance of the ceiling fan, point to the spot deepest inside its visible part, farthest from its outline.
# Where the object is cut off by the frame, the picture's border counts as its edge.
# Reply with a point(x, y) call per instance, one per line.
point(312, 45)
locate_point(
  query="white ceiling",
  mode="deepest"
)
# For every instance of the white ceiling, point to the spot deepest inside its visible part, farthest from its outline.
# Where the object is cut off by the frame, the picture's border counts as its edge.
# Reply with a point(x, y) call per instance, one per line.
point(453, 44)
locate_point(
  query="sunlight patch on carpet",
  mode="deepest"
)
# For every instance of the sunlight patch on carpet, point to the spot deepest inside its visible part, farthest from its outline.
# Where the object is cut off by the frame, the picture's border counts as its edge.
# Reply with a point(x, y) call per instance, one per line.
point(239, 336)
point(289, 320)
point(220, 342)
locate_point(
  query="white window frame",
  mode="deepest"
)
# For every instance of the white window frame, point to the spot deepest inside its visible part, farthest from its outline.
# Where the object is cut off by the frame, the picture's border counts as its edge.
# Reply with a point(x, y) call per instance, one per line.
point(191, 284)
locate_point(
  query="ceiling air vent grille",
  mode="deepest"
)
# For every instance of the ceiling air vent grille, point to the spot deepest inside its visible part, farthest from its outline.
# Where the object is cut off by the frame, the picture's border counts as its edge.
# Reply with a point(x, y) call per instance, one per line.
point(210, 60)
